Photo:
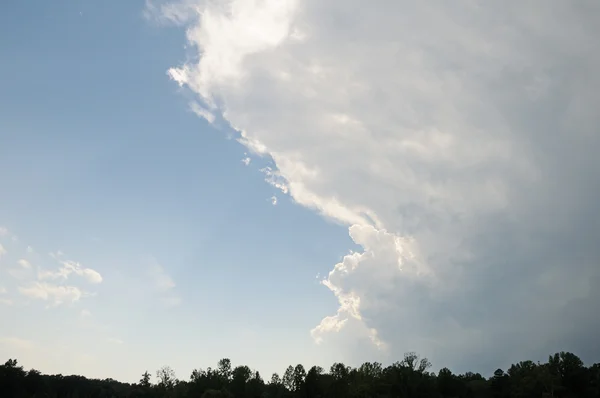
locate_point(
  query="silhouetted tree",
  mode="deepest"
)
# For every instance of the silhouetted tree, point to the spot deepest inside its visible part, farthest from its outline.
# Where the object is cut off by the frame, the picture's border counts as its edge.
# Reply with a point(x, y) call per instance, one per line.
point(563, 376)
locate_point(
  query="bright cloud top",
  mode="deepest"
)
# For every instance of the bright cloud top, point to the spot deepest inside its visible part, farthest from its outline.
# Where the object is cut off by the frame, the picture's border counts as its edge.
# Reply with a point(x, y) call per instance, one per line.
point(457, 142)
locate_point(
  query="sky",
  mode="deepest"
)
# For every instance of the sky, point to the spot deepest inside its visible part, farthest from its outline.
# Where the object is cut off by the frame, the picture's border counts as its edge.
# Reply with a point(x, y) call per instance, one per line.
point(297, 181)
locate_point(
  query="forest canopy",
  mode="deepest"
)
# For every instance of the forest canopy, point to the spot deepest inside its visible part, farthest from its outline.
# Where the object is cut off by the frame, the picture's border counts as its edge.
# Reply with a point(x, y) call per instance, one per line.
point(563, 375)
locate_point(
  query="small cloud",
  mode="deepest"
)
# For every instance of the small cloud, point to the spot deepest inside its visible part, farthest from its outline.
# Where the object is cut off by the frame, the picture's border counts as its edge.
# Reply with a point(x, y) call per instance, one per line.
point(115, 341)
point(164, 284)
point(92, 276)
point(20, 273)
point(24, 263)
point(5, 301)
point(2, 250)
point(53, 293)
point(56, 255)
point(29, 249)
point(202, 112)
point(274, 178)
point(85, 313)
point(246, 161)
point(3, 231)
point(160, 277)
point(274, 200)
point(71, 267)
point(173, 301)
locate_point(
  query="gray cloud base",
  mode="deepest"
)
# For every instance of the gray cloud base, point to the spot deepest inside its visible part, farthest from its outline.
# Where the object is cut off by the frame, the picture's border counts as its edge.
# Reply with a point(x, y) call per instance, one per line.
point(457, 140)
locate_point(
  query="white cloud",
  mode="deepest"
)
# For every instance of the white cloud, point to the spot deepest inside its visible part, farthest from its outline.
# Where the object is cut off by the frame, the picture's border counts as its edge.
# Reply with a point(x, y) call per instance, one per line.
point(85, 313)
point(55, 294)
point(24, 263)
point(3, 231)
point(71, 267)
point(161, 279)
point(204, 113)
point(115, 341)
point(91, 275)
point(246, 161)
point(165, 285)
point(20, 273)
point(274, 200)
point(171, 301)
point(2, 250)
point(6, 301)
point(438, 133)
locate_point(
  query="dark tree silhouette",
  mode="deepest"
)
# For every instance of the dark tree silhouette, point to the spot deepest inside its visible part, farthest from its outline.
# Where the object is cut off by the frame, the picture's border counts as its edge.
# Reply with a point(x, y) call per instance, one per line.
point(563, 376)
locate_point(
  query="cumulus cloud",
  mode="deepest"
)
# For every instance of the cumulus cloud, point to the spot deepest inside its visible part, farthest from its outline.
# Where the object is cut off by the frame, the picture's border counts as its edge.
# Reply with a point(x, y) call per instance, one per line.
point(457, 142)
point(55, 294)
point(71, 267)
point(38, 281)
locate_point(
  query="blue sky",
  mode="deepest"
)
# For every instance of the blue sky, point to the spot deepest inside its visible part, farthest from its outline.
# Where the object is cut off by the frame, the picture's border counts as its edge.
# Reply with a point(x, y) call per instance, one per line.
point(292, 181)
point(102, 159)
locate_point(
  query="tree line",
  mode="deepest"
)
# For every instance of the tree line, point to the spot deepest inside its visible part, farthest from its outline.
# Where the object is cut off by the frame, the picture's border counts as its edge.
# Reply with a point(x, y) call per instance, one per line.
point(563, 376)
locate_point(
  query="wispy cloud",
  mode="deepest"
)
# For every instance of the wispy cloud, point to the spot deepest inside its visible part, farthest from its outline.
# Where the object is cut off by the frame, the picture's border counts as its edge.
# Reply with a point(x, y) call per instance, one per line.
point(115, 341)
point(36, 281)
point(164, 284)
point(161, 279)
point(85, 313)
point(204, 113)
point(55, 294)
point(71, 267)
point(6, 301)
point(2, 250)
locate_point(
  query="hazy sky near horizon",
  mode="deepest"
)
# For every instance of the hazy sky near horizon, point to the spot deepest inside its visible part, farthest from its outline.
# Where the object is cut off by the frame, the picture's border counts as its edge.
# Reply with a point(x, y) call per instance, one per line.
point(297, 181)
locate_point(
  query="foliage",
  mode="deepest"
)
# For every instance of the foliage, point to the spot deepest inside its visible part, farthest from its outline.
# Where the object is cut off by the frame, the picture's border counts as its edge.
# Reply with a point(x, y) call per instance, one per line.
point(563, 376)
